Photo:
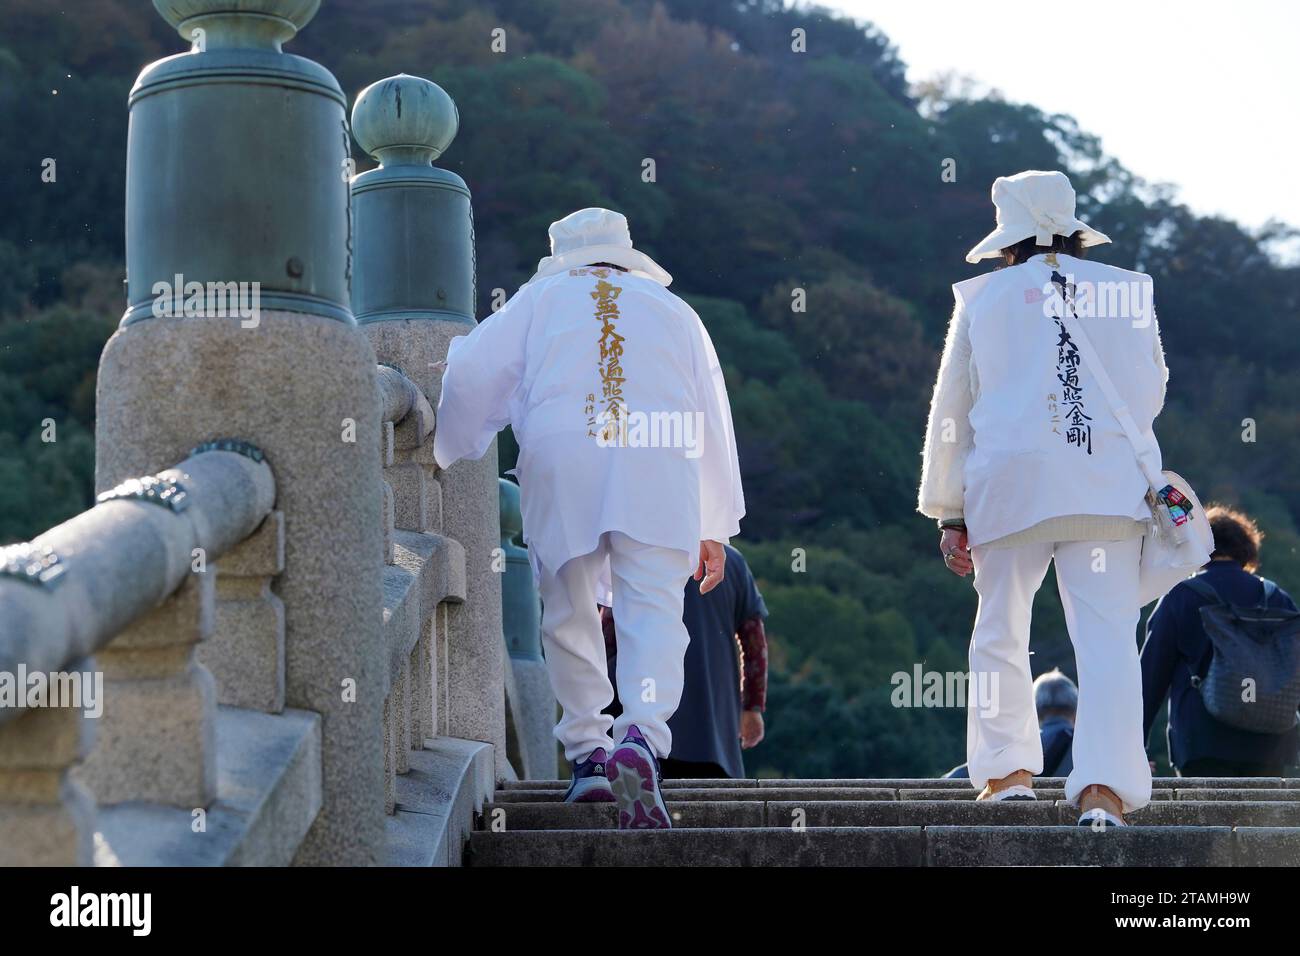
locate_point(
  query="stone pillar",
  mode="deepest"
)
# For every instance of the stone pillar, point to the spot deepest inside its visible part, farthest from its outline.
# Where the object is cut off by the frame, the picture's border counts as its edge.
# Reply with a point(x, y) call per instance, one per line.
point(237, 163)
point(413, 293)
point(390, 759)
point(401, 698)
point(522, 618)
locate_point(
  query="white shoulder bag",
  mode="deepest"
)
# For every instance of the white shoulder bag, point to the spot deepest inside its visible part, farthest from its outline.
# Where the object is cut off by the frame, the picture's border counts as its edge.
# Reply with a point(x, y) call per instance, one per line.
point(1171, 551)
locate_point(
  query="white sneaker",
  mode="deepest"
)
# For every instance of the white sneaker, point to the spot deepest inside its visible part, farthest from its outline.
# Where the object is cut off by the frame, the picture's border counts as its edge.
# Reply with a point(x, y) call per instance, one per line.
point(1099, 819)
point(1017, 792)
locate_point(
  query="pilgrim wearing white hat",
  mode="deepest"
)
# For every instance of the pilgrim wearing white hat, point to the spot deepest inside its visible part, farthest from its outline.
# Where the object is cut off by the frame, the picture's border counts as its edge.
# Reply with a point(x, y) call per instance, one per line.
point(596, 235)
point(629, 483)
point(1033, 203)
point(1025, 464)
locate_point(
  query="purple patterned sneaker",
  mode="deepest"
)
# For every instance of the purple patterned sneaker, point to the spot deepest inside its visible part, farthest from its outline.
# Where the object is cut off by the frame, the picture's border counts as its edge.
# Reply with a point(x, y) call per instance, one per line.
point(634, 778)
point(589, 784)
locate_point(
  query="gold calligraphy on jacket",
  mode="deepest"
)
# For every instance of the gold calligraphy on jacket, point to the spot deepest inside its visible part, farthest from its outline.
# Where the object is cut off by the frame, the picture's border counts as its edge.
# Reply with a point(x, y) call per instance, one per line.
point(610, 365)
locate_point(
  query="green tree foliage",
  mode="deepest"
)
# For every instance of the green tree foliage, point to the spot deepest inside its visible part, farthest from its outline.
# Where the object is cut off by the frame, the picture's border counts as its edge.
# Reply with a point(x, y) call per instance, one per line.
point(48, 360)
point(775, 173)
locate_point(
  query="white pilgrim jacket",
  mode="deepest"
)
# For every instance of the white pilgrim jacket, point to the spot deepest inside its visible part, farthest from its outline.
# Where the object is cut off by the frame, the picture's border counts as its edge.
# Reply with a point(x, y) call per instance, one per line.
point(570, 355)
point(1019, 432)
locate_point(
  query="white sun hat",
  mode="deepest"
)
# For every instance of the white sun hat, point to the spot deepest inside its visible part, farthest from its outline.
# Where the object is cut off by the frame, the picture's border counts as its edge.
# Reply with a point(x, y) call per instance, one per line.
point(596, 235)
point(1033, 203)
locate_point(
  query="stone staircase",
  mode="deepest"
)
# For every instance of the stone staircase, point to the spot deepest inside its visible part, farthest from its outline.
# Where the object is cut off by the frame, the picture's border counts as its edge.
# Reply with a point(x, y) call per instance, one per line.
point(897, 822)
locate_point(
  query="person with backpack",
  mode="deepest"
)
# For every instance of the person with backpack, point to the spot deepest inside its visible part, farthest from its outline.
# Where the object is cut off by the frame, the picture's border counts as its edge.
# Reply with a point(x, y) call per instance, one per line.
point(1224, 647)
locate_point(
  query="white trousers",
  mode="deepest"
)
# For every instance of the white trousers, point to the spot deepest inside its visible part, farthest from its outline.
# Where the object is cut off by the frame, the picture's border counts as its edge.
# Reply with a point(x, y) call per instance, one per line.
point(648, 585)
point(1097, 581)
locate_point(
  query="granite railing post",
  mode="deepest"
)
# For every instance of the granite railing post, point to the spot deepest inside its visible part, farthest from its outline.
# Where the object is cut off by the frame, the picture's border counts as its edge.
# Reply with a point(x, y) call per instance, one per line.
point(158, 739)
point(238, 324)
point(413, 292)
point(245, 651)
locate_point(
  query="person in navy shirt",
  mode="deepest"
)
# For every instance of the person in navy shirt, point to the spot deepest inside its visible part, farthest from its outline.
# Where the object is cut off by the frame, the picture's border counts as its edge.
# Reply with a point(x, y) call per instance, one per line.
point(721, 710)
point(1177, 647)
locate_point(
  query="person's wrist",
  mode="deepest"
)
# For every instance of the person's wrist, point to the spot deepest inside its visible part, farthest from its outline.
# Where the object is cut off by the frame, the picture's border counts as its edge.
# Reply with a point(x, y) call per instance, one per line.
point(953, 524)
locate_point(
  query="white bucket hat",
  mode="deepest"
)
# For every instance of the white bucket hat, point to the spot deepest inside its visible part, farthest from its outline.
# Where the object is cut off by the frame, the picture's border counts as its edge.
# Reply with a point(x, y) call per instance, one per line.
point(595, 235)
point(1033, 203)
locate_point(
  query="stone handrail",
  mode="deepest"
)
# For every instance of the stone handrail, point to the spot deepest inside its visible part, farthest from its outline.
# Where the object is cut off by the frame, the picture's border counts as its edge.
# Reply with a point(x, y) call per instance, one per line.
point(399, 398)
point(123, 557)
point(131, 581)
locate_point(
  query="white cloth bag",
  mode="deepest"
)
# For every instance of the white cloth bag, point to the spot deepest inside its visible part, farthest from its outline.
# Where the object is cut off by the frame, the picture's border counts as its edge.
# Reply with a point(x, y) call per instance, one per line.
point(1170, 553)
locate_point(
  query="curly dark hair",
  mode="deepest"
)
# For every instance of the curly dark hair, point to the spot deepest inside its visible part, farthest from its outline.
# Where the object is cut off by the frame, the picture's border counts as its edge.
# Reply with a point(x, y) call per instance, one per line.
point(1236, 535)
point(1018, 252)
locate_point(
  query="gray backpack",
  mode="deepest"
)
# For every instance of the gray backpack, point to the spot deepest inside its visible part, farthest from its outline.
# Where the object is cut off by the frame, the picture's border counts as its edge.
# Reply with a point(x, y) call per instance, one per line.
point(1259, 645)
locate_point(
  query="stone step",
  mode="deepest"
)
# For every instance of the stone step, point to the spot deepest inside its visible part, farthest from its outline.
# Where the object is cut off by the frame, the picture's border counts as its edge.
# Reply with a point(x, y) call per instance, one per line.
point(552, 815)
point(1257, 793)
point(750, 782)
point(968, 794)
point(697, 814)
point(723, 793)
point(819, 794)
point(926, 783)
point(892, 846)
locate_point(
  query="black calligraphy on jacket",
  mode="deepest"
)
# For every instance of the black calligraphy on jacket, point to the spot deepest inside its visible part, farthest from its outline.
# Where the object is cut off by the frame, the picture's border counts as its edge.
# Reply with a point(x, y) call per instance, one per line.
point(1078, 427)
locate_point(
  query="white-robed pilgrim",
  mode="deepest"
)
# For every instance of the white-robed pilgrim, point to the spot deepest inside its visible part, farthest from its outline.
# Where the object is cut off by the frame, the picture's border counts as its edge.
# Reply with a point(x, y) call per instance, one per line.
point(1025, 450)
point(574, 352)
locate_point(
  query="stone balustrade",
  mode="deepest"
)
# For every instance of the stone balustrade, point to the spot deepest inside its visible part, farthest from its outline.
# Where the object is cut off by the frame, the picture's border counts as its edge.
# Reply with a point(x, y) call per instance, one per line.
point(129, 582)
point(121, 558)
point(298, 628)
point(414, 292)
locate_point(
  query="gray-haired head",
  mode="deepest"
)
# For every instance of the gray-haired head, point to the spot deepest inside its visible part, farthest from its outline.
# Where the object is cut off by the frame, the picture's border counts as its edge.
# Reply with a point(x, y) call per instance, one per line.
point(1055, 693)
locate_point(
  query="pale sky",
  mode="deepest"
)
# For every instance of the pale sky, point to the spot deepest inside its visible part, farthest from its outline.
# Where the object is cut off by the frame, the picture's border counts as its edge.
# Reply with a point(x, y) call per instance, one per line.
point(1203, 95)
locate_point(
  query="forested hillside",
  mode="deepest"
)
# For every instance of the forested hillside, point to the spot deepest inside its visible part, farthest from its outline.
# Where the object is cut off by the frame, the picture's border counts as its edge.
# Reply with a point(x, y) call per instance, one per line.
point(779, 177)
